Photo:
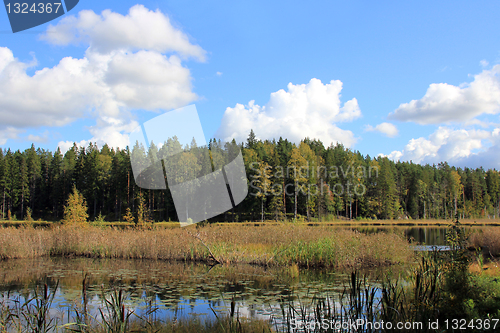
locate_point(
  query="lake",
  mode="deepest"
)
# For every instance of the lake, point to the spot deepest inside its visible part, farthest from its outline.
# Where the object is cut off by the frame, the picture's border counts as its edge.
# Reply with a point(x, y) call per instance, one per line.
point(177, 289)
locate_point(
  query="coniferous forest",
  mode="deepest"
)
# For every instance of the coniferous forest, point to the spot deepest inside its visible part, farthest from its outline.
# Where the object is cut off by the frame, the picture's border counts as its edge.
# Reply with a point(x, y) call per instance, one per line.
point(286, 180)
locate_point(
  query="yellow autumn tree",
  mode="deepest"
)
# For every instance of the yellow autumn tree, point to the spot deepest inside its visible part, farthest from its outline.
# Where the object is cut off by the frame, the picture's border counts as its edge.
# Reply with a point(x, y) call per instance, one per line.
point(75, 210)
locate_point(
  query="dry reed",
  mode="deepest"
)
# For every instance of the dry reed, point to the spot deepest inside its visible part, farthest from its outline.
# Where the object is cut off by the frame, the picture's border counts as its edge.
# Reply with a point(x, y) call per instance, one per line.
point(285, 244)
point(488, 239)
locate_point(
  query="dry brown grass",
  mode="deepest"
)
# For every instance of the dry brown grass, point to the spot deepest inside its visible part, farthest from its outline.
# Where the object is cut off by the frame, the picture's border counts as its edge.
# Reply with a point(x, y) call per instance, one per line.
point(487, 239)
point(275, 244)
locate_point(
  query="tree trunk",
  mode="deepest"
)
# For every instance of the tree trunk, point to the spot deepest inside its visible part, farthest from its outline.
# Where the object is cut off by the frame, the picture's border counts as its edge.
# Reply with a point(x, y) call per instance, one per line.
point(307, 205)
point(424, 210)
point(116, 205)
point(350, 208)
point(128, 189)
point(284, 198)
point(262, 209)
point(455, 213)
point(463, 193)
point(295, 210)
point(445, 208)
point(22, 203)
point(356, 208)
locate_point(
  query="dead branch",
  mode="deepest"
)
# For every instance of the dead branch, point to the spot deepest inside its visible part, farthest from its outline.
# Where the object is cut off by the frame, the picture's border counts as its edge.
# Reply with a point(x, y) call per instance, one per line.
point(212, 256)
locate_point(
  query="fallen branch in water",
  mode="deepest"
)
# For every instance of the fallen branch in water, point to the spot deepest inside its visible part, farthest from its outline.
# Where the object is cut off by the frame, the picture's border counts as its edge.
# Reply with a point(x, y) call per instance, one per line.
point(212, 256)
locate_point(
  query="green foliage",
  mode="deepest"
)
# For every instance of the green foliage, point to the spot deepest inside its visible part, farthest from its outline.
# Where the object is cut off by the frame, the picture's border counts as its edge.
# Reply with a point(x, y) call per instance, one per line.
point(129, 217)
point(75, 210)
point(141, 211)
point(42, 181)
point(99, 219)
point(28, 214)
point(457, 277)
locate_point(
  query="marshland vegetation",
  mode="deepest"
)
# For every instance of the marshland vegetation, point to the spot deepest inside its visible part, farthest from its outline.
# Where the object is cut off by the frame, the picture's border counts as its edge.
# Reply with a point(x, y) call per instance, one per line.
point(437, 287)
point(264, 245)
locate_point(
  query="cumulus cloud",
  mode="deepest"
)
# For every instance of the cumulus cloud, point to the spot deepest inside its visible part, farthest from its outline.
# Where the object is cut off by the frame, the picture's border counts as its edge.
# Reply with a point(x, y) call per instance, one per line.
point(105, 86)
point(9, 133)
point(387, 129)
point(64, 146)
point(38, 138)
point(141, 28)
point(305, 110)
point(445, 103)
point(461, 147)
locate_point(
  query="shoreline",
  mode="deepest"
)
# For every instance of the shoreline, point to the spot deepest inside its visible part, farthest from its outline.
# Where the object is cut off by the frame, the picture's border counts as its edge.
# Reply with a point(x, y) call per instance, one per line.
point(480, 222)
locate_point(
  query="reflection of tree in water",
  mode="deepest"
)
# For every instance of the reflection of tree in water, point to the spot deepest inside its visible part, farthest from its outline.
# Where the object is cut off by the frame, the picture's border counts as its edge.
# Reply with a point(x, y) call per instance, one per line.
point(174, 287)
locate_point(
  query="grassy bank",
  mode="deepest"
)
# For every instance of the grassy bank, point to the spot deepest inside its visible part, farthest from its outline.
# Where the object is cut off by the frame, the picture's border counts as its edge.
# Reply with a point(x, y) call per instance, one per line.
point(265, 245)
point(302, 221)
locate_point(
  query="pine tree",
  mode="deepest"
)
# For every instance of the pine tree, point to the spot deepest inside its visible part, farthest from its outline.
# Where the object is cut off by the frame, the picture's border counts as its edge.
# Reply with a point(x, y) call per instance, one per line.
point(33, 173)
point(251, 140)
point(56, 183)
point(297, 165)
point(263, 183)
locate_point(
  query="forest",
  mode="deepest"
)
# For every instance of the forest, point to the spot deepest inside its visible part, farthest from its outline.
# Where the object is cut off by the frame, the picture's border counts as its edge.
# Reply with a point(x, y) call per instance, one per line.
point(305, 181)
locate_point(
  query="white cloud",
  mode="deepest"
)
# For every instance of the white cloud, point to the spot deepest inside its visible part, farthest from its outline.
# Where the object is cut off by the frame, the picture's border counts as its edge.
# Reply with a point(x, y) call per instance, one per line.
point(141, 28)
point(305, 110)
point(66, 145)
point(219, 73)
point(38, 138)
point(104, 86)
point(9, 133)
point(387, 129)
point(110, 129)
point(149, 80)
point(459, 147)
point(484, 63)
point(445, 103)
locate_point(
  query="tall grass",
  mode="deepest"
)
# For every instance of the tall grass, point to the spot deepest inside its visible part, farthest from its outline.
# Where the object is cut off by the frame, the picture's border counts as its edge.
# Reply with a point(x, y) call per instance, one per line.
point(488, 239)
point(265, 245)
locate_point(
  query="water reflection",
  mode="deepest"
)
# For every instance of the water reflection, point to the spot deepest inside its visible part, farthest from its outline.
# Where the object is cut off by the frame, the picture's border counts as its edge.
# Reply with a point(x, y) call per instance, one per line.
point(174, 289)
point(418, 235)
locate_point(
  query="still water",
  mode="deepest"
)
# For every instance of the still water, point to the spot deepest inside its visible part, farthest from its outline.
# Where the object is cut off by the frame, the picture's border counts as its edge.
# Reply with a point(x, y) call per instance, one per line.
point(174, 289)
point(415, 235)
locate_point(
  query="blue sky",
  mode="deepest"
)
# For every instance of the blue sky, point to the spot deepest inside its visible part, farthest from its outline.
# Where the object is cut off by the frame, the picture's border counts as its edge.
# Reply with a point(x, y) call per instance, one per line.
point(414, 81)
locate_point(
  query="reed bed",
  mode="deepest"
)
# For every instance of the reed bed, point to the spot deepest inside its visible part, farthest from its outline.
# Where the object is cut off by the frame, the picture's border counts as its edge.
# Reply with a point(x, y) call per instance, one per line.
point(265, 245)
point(488, 239)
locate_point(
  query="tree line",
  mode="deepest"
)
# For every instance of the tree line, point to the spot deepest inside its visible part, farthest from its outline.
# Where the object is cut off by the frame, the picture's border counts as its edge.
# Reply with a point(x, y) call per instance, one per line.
point(285, 181)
